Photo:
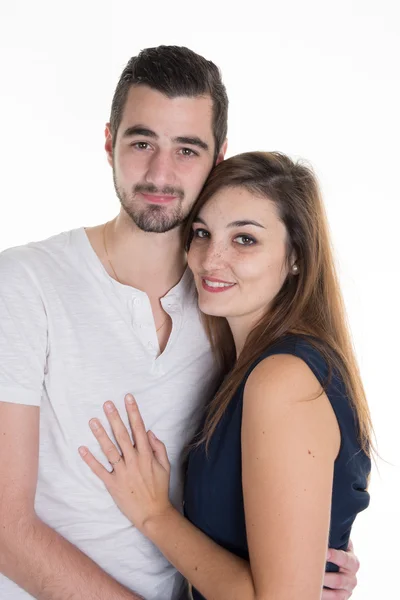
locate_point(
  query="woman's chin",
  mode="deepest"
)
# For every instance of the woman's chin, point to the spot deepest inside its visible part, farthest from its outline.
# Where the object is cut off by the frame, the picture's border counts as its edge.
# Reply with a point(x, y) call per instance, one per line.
point(209, 308)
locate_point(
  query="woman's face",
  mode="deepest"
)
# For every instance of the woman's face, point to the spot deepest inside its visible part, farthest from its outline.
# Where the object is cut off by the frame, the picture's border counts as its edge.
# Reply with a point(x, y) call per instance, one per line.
point(238, 254)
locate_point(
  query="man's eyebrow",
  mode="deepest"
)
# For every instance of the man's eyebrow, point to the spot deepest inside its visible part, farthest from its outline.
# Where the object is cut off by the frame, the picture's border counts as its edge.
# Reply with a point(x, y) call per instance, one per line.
point(140, 130)
point(191, 141)
point(182, 139)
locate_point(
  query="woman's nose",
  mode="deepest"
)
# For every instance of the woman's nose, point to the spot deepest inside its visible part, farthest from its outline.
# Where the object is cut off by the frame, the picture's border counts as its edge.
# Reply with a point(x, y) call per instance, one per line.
point(214, 257)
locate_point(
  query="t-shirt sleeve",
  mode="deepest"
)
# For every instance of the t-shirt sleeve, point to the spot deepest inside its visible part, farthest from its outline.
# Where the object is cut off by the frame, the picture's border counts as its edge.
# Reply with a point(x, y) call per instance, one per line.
point(23, 333)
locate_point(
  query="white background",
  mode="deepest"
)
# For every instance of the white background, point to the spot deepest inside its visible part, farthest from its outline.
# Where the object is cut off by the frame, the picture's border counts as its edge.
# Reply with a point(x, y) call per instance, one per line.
point(313, 79)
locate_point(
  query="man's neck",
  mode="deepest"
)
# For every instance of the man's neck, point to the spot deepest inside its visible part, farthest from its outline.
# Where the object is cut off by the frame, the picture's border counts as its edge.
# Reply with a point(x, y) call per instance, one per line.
point(151, 262)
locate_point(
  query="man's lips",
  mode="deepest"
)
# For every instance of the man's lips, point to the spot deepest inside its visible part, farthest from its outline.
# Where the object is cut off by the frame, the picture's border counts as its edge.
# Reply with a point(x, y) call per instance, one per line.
point(158, 199)
point(213, 285)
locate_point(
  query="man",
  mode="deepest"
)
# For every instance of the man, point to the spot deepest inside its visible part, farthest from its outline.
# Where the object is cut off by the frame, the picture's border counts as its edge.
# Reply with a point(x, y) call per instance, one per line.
point(89, 315)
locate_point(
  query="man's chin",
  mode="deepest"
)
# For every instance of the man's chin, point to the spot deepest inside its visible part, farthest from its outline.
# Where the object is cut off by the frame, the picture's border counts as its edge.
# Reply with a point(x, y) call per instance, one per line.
point(152, 225)
point(155, 219)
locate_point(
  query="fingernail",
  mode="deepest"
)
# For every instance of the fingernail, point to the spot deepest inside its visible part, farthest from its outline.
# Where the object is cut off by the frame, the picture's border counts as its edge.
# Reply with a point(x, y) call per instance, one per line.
point(130, 399)
point(152, 435)
point(82, 451)
point(94, 424)
point(109, 407)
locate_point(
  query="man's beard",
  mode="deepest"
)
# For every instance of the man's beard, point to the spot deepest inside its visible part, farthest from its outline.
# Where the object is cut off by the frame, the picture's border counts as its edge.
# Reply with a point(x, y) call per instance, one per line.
point(154, 218)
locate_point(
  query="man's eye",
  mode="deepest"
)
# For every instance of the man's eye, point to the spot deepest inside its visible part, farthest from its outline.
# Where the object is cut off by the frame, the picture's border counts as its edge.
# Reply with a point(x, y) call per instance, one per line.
point(200, 233)
point(245, 240)
point(188, 152)
point(140, 145)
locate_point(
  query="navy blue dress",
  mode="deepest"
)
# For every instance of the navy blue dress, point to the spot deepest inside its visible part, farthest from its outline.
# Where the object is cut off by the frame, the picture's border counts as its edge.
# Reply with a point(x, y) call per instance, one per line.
point(213, 499)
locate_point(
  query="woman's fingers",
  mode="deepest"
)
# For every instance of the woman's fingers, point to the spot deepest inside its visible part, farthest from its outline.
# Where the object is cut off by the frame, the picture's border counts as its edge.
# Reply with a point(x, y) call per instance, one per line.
point(119, 430)
point(137, 425)
point(159, 450)
point(109, 449)
point(94, 464)
point(345, 559)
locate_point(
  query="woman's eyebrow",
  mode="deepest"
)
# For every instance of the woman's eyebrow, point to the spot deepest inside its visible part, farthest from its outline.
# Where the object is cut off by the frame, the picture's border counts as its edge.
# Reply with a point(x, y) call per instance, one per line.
point(199, 220)
point(241, 223)
point(245, 222)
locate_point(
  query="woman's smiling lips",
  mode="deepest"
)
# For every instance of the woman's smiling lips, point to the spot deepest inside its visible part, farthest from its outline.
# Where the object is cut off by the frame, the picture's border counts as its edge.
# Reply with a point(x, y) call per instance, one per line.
point(213, 285)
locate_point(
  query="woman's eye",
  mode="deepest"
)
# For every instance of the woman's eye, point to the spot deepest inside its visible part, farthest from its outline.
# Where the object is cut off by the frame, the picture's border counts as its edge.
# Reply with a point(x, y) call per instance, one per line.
point(200, 233)
point(245, 240)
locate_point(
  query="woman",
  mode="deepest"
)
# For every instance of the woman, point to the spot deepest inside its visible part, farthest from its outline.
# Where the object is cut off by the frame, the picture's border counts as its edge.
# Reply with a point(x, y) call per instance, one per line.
point(281, 463)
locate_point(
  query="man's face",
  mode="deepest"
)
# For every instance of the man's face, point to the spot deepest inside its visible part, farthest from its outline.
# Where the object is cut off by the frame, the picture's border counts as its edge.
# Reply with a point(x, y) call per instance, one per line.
point(162, 156)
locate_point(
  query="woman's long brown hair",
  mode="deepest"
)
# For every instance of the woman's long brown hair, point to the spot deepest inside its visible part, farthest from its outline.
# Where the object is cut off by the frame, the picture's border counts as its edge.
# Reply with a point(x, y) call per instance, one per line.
point(309, 303)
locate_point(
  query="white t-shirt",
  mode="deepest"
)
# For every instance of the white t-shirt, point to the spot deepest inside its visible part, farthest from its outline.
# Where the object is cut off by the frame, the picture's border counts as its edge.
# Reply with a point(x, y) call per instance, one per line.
point(71, 338)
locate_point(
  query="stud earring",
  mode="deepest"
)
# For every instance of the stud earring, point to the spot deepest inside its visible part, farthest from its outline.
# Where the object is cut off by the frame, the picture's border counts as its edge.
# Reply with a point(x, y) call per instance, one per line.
point(295, 269)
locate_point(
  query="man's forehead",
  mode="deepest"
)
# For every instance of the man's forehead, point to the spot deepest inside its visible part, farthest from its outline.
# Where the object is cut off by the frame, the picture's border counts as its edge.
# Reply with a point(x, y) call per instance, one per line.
point(158, 111)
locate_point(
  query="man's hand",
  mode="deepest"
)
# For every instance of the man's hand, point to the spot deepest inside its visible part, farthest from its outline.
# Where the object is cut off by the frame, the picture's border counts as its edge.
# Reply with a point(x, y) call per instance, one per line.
point(343, 582)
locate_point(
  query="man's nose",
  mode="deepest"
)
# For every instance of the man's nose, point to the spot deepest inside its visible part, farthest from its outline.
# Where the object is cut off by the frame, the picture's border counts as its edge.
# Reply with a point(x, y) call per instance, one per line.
point(160, 170)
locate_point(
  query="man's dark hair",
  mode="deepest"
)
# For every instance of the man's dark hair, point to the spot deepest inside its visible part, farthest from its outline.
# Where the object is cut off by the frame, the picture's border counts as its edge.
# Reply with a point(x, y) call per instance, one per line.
point(174, 71)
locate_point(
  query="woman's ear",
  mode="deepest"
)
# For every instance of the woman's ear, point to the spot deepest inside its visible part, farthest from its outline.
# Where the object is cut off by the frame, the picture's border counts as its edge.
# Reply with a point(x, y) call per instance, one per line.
point(294, 267)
